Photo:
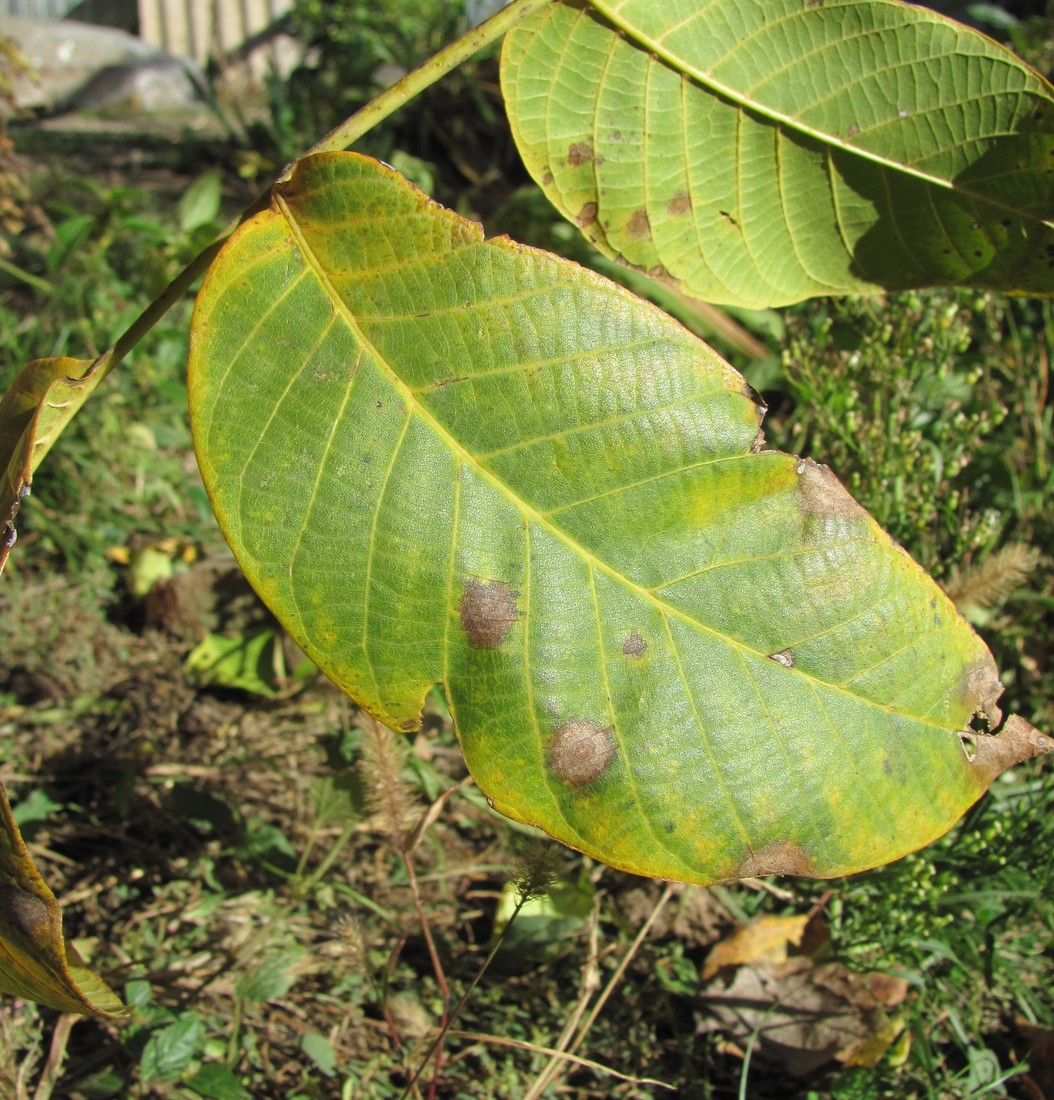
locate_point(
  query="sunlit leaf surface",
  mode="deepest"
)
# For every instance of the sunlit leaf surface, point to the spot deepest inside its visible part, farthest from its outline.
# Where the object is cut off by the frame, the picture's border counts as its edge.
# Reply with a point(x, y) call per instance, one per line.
point(764, 151)
point(445, 459)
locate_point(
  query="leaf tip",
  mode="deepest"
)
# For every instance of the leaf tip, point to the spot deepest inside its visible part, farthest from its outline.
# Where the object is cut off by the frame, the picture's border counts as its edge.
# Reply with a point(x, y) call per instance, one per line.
point(992, 754)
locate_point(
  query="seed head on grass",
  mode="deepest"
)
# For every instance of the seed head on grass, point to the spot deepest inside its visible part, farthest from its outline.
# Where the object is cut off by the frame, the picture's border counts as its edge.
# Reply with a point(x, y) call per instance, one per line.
point(986, 583)
point(388, 796)
point(534, 869)
point(350, 940)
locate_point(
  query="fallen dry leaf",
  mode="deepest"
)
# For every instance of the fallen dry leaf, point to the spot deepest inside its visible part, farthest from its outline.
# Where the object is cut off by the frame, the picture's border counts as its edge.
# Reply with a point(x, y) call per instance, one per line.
point(792, 1008)
point(1040, 1077)
point(765, 940)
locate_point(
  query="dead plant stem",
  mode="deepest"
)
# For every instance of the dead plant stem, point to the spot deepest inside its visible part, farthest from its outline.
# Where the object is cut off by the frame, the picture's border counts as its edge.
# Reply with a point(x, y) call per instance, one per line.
point(445, 1029)
point(56, 1056)
point(556, 1067)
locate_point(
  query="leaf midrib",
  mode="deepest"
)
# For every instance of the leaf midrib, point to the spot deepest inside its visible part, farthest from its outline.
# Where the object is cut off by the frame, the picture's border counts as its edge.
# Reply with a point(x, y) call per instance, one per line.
point(705, 80)
point(412, 403)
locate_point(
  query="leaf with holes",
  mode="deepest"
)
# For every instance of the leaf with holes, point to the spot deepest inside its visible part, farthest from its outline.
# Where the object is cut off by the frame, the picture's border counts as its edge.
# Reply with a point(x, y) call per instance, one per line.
point(442, 459)
point(764, 151)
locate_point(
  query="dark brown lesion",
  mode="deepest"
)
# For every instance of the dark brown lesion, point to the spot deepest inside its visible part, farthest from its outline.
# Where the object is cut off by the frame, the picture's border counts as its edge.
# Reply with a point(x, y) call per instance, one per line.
point(634, 645)
point(487, 612)
point(680, 203)
point(638, 225)
point(581, 152)
point(587, 216)
point(581, 751)
point(782, 857)
point(24, 913)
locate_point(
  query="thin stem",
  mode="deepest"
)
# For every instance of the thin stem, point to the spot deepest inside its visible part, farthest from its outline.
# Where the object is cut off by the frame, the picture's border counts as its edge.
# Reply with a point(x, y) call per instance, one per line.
point(56, 1056)
point(560, 1055)
point(436, 67)
point(610, 988)
point(590, 984)
point(309, 847)
point(554, 1069)
point(437, 968)
point(348, 132)
point(463, 1000)
point(330, 857)
point(175, 290)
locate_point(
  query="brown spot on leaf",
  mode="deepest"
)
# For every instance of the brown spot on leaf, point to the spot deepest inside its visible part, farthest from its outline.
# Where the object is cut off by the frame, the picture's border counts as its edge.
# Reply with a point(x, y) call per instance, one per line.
point(487, 611)
point(782, 857)
point(580, 153)
point(980, 690)
point(680, 203)
point(408, 725)
point(547, 178)
point(24, 913)
point(638, 225)
point(581, 751)
point(822, 494)
point(752, 395)
point(853, 130)
point(785, 657)
point(586, 216)
point(991, 754)
point(634, 645)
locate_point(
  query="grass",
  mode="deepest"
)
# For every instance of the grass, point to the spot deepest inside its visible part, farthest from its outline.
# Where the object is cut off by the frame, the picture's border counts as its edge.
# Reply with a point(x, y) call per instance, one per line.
point(237, 863)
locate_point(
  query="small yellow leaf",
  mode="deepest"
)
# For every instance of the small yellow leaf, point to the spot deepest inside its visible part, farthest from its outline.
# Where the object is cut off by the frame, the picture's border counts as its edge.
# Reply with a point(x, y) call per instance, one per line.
point(41, 401)
point(766, 939)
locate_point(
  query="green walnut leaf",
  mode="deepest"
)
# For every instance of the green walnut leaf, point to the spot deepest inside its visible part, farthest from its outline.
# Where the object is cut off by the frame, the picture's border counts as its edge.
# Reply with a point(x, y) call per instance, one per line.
point(764, 151)
point(442, 459)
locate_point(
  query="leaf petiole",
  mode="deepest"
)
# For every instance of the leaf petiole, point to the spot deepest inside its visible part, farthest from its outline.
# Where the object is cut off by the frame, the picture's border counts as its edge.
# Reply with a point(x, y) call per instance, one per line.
point(435, 68)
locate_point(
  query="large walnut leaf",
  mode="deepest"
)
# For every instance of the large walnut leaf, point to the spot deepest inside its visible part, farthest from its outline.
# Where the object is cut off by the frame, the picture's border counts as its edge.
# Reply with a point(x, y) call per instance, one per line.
point(763, 151)
point(441, 459)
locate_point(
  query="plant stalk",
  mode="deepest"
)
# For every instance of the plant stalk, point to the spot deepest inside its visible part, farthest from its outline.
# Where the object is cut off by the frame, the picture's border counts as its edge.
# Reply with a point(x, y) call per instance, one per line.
point(348, 132)
point(444, 1030)
point(436, 67)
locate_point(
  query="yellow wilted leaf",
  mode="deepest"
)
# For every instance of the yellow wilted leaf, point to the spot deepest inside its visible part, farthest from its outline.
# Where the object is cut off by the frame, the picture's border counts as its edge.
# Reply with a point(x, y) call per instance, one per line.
point(36, 961)
point(766, 939)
